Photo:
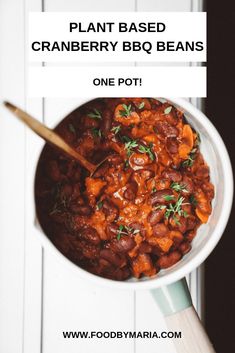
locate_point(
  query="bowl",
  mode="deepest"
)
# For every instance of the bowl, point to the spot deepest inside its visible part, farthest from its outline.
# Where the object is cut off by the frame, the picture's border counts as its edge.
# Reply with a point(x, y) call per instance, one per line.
point(208, 235)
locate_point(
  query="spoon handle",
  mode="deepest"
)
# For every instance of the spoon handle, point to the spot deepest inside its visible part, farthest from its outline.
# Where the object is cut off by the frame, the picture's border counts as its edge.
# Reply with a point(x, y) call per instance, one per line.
point(50, 136)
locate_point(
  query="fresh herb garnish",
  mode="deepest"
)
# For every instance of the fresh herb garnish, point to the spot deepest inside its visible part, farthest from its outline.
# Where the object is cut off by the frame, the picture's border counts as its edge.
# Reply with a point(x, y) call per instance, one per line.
point(148, 150)
point(132, 230)
point(95, 114)
point(125, 230)
point(198, 139)
point(96, 132)
point(126, 111)
point(120, 232)
point(72, 128)
point(129, 145)
point(169, 197)
point(141, 106)
point(189, 162)
point(99, 205)
point(175, 209)
point(116, 129)
point(176, 220)
point(160, 207)
point(167, 110)
point(178, 187)
point(154, 190)
point(193, 200)
point(60, 205)
point(126, 164)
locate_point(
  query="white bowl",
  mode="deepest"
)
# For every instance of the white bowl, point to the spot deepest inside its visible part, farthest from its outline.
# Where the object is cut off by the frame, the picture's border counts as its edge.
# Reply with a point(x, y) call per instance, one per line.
point(208, 235)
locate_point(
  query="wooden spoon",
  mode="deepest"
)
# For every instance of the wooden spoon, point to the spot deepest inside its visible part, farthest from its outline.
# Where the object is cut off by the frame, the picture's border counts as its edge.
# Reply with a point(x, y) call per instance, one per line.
point(52, 137)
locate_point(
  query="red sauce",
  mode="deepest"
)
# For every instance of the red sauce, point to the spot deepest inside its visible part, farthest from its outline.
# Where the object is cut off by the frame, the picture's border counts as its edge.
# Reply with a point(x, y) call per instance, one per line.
point(142, 208)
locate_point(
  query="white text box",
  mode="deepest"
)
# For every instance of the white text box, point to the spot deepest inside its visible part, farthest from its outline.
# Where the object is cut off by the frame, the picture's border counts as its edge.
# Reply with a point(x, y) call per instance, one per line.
point(146, 81)
point(182, 31)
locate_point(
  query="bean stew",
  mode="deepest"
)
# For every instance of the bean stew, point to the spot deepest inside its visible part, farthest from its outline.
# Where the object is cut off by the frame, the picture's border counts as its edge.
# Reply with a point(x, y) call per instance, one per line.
point(141, 209)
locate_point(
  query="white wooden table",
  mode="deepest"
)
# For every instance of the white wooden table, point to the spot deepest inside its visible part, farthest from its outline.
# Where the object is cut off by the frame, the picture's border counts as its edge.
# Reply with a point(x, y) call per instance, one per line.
point(39, 298)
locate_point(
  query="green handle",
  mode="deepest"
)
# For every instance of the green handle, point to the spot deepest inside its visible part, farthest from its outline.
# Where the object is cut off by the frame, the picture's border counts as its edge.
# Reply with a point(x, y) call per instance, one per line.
point(173, 298)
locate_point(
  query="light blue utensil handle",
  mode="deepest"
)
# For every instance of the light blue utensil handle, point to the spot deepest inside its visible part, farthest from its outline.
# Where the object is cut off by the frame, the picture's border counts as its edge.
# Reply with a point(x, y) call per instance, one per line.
point(173, 298)
point(175, 303)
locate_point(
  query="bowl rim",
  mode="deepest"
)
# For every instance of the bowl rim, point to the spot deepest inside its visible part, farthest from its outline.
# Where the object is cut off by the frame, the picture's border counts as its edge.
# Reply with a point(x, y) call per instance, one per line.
point(198, 258)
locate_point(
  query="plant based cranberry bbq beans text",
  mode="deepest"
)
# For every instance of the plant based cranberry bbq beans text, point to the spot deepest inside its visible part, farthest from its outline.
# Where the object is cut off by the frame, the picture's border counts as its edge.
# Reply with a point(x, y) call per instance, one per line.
point(140, 211)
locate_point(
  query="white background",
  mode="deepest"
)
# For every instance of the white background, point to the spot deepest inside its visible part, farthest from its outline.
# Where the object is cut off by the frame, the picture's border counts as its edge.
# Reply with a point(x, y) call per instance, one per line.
point(39, 297)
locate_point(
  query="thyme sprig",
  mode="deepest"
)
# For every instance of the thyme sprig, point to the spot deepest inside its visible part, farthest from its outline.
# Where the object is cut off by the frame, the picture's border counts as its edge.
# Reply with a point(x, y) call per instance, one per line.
point(126, 111)
point(126, 230)
point(178, 187)
point(189, 162)
point(148, 150)
point(116, 129)
point(95, 114)
point(72, 128)
point(174, 209)
point(130, 145)
point(168, 110)
point(99, 205)
point(141, 106)
point(96, 132)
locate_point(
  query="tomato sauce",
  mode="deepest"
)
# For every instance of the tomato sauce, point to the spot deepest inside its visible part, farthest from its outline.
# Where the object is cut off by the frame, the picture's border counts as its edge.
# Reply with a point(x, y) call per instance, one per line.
point(141, 209)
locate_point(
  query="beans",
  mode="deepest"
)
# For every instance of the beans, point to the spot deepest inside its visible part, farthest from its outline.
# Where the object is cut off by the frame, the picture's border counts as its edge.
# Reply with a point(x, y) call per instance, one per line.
point(185, 247)
point(77, 174)
point(202, 172)
point(138, 226)
point(169, 260)
point(155, 216)
point(101, 171)
point(59, 217)
point(171, 118)
point(89, 123)
point(106, 121)
point(145, 248)
point(131, 190)
point(66, 191)
point(161, 197)
point(145, 173)
point(53, 171)
point(178, 223)
point(89, 251)
point(188, 184)
point(115, 159)
point(139, 159)
point(124, 244)
point(164, 128)
point(122, 273)
point(110, 210)
point(83, 210)
point(112, 230)
point(173, 175)
point(142, 263)
point(177, 237)
point(76, 191)
point(208, 188)
point(90, 235)
point(113, 258)
point(160, 230)
point(127, 219)
point(190, 235)
point(191, 222)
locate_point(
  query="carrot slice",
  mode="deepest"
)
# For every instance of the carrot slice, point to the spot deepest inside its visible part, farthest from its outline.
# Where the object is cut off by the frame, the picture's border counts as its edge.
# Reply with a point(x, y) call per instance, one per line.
point(187, 142)
point(202, 215)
